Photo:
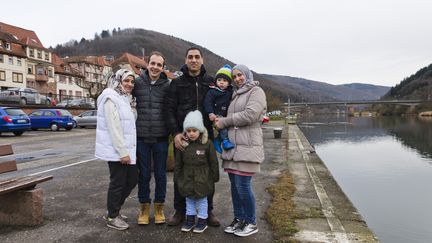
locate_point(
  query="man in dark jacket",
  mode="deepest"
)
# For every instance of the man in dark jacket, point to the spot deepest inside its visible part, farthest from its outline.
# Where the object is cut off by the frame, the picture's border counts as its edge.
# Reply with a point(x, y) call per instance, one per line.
point(151, 89)
point(186, 94)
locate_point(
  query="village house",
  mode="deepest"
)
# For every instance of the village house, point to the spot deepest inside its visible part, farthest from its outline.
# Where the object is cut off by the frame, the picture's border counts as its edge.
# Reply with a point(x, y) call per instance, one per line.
point(13, 61)
point(39, 68)
point(131, 62)
point(67, 78)
point(95, 70)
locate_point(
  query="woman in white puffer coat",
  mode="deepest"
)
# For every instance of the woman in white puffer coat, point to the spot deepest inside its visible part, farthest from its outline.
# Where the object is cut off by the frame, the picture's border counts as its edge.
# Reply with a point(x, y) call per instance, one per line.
point(116, 142)
point(248, 105)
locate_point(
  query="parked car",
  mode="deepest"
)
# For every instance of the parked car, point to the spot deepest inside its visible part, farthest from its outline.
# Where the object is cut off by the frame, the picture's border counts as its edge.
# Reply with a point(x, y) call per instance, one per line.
point(13, 120)
point(87, 118)
point(53, 119)
point(64, 103)
point(24, 96)
point(83, 103)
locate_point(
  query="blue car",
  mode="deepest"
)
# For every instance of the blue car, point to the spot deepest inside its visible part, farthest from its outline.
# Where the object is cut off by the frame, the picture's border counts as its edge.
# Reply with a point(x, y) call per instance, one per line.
point(53, 119)
point(13, 120)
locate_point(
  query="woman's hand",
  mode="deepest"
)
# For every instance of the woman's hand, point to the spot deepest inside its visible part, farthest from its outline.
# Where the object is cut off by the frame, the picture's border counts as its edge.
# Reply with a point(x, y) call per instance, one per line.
point(218, 123)
point(125, 160)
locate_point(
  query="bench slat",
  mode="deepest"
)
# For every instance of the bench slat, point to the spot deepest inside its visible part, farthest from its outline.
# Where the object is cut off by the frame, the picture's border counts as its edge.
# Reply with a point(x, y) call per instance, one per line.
point(7, 166)
point(6, 149)
point(22, 183)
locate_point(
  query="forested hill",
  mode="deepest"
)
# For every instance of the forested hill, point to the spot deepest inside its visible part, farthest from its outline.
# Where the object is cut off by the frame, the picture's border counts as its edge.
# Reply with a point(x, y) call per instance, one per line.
point(134, 41)
point(115, 42)
point(416, 86)
point(320, 91)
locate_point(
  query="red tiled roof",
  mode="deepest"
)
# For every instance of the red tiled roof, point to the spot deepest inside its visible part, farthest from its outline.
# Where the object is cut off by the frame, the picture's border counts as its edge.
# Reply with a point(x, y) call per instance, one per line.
point(27, 37)
point(94, 60)
point(60, 64)
point(16, 48)
point(135, 62)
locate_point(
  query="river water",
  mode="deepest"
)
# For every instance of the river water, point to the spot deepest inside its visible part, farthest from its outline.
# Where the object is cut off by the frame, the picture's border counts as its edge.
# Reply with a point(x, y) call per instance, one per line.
point(384, 165)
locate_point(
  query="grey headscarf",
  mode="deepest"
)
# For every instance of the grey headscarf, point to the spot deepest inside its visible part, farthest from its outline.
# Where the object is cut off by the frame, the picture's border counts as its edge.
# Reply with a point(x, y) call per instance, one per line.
point(246, 72)
point(114, 81)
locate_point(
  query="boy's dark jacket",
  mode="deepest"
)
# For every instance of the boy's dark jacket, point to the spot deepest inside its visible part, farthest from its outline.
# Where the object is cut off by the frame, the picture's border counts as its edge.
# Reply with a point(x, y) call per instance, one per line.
point(217, 101)
point(196, 169)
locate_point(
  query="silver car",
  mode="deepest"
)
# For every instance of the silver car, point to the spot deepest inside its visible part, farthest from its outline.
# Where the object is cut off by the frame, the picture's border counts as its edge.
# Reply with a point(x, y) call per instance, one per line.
point(23, 96)
point(87, 118)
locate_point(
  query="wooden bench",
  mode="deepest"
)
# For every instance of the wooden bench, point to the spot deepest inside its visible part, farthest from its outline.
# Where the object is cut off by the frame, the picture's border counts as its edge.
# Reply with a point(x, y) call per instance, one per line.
point(20, 201)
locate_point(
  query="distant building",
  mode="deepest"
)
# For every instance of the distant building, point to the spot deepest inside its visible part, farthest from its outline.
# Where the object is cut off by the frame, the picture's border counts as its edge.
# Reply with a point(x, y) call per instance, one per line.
point(40, 70)
point(13, 61)
point(95, 69)
point(131, 62)
point(66, 78)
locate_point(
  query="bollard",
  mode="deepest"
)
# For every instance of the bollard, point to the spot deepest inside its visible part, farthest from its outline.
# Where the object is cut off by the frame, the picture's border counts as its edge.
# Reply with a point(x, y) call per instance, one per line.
point(277, 131)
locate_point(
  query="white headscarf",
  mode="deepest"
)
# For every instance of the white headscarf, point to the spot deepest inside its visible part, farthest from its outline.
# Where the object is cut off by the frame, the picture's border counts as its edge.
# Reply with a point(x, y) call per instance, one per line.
point(115, 80)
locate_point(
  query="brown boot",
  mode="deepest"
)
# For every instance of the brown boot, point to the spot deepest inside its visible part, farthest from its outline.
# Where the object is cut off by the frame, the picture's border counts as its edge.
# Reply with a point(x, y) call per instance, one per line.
point(176, 219)
point(144, 217)
point(212, 220)
point(159, 213)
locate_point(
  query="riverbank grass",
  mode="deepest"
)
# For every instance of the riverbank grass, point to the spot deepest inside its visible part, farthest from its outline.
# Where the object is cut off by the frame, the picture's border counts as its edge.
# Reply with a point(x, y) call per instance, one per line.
point(281, 212)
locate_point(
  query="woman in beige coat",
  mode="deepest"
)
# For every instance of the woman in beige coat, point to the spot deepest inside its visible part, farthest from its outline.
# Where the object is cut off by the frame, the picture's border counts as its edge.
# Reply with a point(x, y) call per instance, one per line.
point(243, 121)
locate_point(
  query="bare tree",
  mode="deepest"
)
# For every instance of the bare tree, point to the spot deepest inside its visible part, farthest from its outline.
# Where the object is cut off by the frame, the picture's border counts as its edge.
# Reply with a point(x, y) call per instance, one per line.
point(94, 89)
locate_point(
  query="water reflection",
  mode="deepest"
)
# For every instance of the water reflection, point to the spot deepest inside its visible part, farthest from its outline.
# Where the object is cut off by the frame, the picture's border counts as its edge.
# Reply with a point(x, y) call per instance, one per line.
point(383, 165)
point(412, 132)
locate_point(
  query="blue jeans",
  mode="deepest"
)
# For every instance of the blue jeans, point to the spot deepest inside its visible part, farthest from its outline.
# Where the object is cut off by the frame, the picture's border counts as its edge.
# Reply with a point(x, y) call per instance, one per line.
point(223, 134)
point(193, 204)
point(145, 153)
point(243, 198)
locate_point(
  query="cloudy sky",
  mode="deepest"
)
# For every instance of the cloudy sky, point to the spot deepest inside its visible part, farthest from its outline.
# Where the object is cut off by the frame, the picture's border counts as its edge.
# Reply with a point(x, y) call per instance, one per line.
point(334, 41)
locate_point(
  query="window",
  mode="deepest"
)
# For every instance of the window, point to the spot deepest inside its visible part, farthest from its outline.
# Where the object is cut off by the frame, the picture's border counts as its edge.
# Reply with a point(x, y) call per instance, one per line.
point(50, 73)
point(40, 71)
point(19, 62)
point(31, 53)
point(49, 113)
point(70, 92)
point(62, 79)
point(11, 60)
point(47, 56)
point(2, 76)
point(1, 58)
point(17, 77)
point(8, 46)
point(30, 69)
point(39, 54)
point(78, 93)
point(36, 113)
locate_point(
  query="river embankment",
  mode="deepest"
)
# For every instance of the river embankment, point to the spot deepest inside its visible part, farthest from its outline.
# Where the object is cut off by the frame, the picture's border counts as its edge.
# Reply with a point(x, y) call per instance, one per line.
point(321, 211)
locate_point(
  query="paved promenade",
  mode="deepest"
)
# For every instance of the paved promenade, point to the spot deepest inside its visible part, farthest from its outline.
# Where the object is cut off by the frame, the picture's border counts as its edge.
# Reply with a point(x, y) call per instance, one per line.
point(75, 202)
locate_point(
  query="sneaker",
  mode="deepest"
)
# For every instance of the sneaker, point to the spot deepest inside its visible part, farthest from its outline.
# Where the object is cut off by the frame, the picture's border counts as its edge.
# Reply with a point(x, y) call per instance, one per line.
point(200, 226)
point(217, 145)
point(124, 217)
point(246, 229)
point(189, 224)
point(117, 223)
point(235, 224)
point(227, 145)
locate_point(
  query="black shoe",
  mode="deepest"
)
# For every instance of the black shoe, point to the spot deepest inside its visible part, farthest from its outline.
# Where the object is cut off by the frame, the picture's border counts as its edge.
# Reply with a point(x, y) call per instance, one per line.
point(176, 219)
point(212, 220)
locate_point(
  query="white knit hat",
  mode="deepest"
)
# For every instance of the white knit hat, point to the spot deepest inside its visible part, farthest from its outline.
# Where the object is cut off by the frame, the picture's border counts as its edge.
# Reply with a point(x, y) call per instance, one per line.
point(194, 119)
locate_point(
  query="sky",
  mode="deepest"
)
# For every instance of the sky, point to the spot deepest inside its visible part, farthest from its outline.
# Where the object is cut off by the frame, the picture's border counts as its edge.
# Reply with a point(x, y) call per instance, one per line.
point(334, 41)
